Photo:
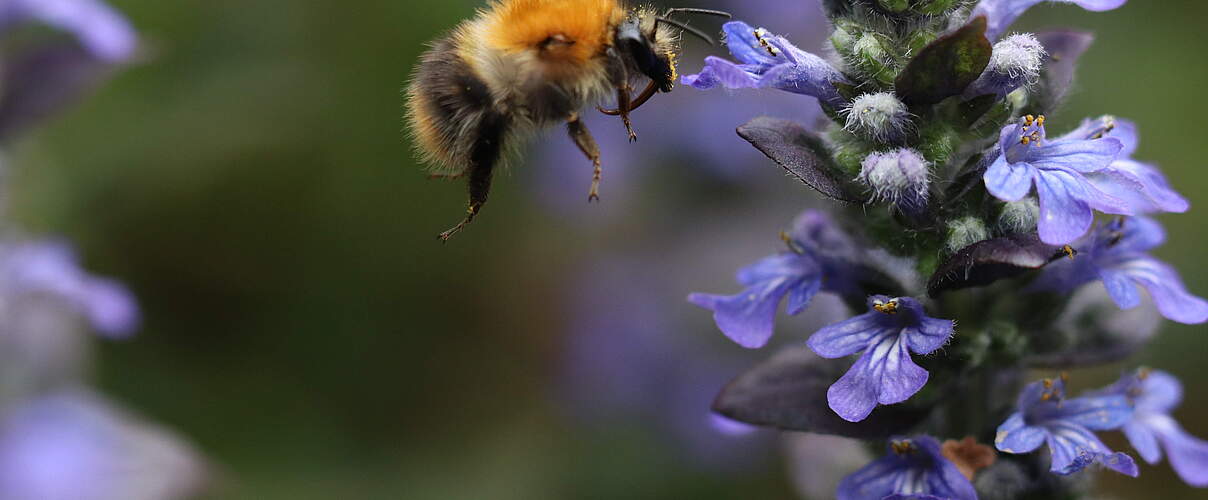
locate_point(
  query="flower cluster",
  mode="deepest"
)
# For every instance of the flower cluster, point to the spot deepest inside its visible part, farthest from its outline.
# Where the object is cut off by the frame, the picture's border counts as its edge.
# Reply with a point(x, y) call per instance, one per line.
point(970, 235)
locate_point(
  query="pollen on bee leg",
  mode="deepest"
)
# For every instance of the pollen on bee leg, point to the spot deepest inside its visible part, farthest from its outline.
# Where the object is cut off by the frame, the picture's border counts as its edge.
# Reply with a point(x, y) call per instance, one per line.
point(1069, 251)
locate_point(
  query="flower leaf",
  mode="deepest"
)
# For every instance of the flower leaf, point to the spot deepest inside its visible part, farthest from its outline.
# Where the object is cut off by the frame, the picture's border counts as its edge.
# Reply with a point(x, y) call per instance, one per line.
point(1064, 48)
point(789, 392)
point(945, 67)
point(991, 260)
point(798, 151)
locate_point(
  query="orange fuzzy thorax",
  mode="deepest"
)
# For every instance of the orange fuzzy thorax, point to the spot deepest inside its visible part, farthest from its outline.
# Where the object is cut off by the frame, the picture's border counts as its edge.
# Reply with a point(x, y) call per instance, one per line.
point(578, 29)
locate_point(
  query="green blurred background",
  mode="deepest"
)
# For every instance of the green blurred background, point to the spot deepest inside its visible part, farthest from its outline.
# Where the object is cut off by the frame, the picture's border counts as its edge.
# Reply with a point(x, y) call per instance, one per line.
point(251, 182)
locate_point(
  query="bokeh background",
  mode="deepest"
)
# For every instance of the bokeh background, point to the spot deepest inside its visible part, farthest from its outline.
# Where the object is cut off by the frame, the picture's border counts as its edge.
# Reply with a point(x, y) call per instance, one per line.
point(249, 179)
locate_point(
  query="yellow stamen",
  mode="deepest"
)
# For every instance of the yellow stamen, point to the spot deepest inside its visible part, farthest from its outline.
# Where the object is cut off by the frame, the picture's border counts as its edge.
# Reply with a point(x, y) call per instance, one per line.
point(890, 307)
point(1069, 251)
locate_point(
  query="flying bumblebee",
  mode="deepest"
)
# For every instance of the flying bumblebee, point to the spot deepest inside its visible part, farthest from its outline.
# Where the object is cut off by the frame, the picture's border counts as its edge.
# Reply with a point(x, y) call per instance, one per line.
point(525, 65)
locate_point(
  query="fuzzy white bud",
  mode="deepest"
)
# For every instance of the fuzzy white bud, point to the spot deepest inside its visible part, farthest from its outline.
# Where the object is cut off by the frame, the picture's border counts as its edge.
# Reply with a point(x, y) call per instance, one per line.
point(880, 117)
point(1019, 216)
point(900, 177)
point(1016, 62)
point(966, 231)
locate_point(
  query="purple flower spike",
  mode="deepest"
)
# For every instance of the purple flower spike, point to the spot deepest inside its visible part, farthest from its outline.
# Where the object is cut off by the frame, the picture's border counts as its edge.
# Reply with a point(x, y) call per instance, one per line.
point(1140, 184)
point(1045, 416)
point(104, 31)
point(816, 262)
point(1001, 13)
point(1115, 253)
point(768, 61)
point(884, 374)
point(915, 468)
point(1057, 170)
point(1155, 394)
point(52, 269)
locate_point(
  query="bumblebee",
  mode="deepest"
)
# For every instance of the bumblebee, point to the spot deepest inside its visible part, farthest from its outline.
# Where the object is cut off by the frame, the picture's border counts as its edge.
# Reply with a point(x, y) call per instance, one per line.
point(521, 66)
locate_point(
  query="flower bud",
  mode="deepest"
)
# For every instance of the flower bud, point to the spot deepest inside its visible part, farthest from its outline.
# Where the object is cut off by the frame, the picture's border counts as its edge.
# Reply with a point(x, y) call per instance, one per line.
point(966, 231)
point(871, 57)
point(1019, 216)
point(899, 177)
point(935, 7)
point(894, 5)
point(880, 117)
point(1016, 62)
point(843, 40)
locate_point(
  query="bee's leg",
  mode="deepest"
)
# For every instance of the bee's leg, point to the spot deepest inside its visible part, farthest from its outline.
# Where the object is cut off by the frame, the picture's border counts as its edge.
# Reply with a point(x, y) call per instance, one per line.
point(578, 132)
point(486, 152)
point(624, 104)
point(480, 187)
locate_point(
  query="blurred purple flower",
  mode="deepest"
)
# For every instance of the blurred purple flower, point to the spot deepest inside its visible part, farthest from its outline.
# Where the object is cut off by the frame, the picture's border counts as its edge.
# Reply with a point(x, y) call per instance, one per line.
point(1140, 184)
point(817, 462)
point(885, 373)
point(1000, 14)
point(71, 445)
point(768, 61)
point(1056, 168)
point(43, 77)
point(817, 260)
point(915, 468)
point(1044, 416)
point(52, 269)
point(1115, 253)
point(627, 355)
point(99, 28)
point(1155, 394)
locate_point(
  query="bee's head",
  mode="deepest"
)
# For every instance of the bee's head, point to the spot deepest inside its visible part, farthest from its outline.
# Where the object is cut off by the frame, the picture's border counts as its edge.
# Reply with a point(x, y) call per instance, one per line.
point(649, 46)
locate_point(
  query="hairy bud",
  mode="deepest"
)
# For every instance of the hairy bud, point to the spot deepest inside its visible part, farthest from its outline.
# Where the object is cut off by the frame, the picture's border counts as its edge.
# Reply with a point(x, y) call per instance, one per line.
point(1019, 216)
point(966, 231)
point(872, 57)
point(894, 5)
point(1016, 62)
point(880, 117)
point(843, 39)
point(936, 7)
point(900, 177)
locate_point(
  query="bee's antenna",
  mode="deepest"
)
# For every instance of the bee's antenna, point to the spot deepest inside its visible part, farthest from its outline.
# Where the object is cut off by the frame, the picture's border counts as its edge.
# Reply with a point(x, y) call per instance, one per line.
point(685, 28)
point(707, 12)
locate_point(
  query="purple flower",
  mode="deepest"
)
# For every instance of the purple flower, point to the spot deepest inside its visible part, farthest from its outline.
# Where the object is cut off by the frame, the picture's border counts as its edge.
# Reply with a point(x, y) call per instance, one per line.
point(52, 269)
point(104, 31)
point(1044, 416)
point(1001, 13)
point(915, 468)
point(1115, 253)
point(72, 445)
point(817, 261)
point(884, 374)
point(768, 61)
point(1056, 168)
point(1141, 185)
point(1154, 395)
